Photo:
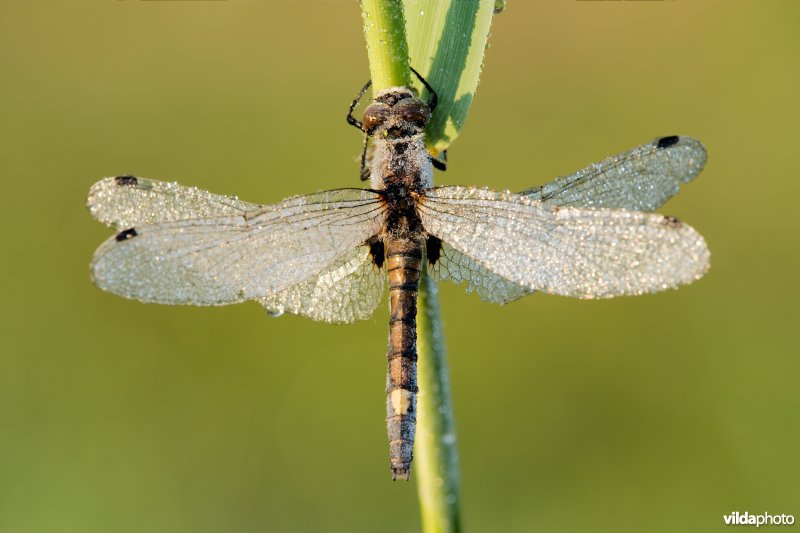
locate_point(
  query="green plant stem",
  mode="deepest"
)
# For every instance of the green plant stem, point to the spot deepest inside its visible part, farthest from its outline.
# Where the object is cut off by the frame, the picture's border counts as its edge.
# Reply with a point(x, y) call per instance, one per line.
point(387, 50)
point(436, 461)
point(435, 454)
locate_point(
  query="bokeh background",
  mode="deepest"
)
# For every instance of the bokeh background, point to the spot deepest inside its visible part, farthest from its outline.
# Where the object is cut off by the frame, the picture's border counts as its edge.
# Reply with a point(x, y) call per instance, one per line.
point(656, 413)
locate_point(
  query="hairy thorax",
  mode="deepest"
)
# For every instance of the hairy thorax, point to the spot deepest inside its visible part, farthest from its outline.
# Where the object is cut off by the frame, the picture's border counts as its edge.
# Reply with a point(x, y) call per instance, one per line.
point(403, 161)
point(396, 121)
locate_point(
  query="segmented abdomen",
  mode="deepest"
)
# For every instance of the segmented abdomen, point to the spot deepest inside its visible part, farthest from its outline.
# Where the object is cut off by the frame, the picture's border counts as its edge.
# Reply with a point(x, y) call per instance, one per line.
point(403, 264)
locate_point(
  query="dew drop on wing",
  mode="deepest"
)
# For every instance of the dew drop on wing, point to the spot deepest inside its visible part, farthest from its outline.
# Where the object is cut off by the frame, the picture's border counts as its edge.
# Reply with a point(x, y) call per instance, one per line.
point(672, 222)
point(274, 313)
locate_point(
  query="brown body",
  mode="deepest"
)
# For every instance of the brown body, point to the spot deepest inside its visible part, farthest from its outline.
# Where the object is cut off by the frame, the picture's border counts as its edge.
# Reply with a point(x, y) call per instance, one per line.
point(403, 263)
point(401, 171)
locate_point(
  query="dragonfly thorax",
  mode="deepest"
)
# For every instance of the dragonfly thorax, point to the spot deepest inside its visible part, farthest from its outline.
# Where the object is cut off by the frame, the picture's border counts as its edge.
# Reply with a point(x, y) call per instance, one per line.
point(396, 122)
point(402, 219)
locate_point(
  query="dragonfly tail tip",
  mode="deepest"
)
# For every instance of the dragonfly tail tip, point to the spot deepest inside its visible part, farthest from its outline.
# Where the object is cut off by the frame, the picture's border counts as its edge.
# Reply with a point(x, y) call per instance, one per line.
point(400, 472)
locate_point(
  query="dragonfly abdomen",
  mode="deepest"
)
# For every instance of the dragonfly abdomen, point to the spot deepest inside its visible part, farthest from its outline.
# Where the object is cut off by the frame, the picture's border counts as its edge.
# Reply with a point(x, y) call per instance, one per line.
point(403, 264)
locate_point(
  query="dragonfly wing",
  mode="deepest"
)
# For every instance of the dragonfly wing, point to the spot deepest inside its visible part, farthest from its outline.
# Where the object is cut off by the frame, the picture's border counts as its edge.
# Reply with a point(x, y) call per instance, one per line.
point(348, 290)
point(452, 265)
point(127, 201)
point(222, 253)
point(579, 252)
point(641, 179)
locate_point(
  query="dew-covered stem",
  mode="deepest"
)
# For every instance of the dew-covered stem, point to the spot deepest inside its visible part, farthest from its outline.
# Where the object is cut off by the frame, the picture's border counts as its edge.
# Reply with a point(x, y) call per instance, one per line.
point(435, 453)
point(387, 50)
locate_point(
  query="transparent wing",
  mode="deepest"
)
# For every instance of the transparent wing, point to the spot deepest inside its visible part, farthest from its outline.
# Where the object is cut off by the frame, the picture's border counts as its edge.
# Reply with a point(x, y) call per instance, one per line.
point(127, 201)
point(222, 254)
point(641, 179)
point(348, 290)
point(452, 265)
point(580, 252)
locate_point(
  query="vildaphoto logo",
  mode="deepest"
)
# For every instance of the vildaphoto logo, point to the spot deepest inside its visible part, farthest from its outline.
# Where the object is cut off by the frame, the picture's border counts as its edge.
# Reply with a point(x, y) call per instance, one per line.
point(746, 519)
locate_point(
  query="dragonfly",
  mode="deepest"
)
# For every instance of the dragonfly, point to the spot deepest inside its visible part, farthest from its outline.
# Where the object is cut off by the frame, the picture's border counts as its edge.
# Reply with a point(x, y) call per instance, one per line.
point(328, 255)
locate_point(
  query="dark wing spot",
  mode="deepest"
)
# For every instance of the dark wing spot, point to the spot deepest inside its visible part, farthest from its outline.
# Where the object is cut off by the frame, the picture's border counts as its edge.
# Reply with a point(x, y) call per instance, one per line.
point(671, 222)
point(126, 179)
point(666, 142)
point(377, 251)
point(433, 249)
point(129, 233)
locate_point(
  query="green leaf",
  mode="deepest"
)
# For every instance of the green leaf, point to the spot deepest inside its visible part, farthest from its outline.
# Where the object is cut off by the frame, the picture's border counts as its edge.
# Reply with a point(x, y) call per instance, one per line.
point(446, 42)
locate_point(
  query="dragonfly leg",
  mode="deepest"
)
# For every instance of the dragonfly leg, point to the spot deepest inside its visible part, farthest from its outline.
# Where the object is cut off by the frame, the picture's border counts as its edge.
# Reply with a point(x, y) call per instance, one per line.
point(440, 163)
point(353, 121)
point(434, 98)
point(365, 171)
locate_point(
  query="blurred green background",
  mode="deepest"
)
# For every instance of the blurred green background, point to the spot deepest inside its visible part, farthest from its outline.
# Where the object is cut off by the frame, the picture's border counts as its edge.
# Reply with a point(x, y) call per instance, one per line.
point(657, 413)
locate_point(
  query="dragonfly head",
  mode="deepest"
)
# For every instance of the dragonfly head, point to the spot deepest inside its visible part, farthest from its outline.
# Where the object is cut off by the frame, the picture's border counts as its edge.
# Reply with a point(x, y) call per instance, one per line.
point(396, 113)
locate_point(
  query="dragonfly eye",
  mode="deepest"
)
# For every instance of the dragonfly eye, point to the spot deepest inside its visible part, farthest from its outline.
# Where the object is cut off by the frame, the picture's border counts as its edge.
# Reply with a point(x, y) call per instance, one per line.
point(413, 110)
point(375, 115)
